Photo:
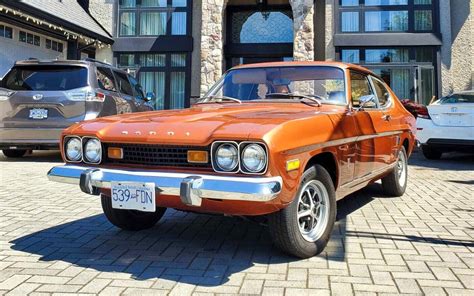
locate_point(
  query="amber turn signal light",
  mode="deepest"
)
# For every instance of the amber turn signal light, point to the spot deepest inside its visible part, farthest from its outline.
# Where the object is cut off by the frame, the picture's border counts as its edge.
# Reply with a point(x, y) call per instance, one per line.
point(197, 156)
point(115, 153)
point(292, 165)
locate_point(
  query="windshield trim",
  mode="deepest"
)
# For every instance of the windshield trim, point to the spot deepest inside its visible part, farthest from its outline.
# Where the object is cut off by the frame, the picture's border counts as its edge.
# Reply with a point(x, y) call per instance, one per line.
point(207, 97)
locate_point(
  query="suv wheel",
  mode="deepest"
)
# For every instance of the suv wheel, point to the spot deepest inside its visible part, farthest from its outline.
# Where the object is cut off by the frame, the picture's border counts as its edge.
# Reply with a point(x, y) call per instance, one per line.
point(303, 228)
point(130, 219)
point(14, 153)
point(395, 183)
point(430, 152)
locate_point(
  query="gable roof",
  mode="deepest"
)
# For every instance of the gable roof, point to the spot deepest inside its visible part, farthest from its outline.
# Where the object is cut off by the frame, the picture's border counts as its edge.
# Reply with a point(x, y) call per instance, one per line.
point(67, 13)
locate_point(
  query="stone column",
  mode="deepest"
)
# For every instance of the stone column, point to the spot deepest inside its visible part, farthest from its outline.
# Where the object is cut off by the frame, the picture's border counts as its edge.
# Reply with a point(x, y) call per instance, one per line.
point(303, 26)
point(212, 43)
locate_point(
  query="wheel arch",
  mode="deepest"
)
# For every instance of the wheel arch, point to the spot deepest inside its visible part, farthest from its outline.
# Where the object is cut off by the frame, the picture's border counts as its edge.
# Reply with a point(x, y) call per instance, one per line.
point(328, 161)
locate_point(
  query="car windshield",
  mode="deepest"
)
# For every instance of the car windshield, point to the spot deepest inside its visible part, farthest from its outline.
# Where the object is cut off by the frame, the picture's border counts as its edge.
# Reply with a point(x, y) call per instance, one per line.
point(458, 98)
point(47, 78)
point(320, 84)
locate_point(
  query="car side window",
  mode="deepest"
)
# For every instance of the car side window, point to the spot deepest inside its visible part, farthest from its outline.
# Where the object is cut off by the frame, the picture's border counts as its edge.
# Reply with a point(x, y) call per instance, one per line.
point(383, 94)
point(124, 85)
point(360, 86)
point(105, 79)
point(137, 88)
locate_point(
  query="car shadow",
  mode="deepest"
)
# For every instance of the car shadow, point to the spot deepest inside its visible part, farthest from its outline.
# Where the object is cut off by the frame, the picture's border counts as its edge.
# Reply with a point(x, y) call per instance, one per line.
point(449, 161)
point(191, 248)
point(35, 156)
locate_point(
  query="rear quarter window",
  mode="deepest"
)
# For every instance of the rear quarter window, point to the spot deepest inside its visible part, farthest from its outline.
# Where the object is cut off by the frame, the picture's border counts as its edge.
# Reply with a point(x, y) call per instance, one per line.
point(46, 78)
point(105, 79)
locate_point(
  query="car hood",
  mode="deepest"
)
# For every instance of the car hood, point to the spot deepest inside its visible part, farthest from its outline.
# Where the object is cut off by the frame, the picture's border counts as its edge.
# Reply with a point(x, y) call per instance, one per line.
point(198, 125)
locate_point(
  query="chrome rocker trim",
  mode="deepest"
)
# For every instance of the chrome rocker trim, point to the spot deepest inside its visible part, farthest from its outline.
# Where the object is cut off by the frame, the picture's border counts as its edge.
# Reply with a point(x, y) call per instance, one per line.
point(190, 188)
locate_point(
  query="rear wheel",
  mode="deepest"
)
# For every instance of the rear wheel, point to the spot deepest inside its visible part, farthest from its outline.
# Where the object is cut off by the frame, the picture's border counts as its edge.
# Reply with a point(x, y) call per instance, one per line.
point(303, 228)
point(130, 219)
point(395, 183)
point(14, 153)
point(430, 152)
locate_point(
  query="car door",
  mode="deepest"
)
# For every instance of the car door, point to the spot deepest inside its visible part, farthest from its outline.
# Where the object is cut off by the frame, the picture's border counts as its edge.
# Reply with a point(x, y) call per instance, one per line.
point(386, 125)
point(366, 149)
point(126, 91)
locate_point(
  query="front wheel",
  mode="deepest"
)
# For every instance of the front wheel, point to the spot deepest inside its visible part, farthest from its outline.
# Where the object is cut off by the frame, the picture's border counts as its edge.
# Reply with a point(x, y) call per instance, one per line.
point(395, 183)
point(303, 228)
point(14, 153)
point(130, 219)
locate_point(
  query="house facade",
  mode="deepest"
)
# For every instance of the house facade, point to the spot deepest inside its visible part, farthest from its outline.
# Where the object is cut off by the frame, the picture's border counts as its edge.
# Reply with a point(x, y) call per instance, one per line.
point(179, 48)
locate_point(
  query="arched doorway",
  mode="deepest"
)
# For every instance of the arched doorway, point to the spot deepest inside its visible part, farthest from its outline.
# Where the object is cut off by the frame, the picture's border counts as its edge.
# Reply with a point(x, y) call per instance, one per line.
point(260, 32)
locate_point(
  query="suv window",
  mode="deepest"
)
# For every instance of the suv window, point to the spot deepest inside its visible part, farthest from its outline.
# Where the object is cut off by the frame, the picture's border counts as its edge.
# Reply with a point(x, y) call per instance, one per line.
point(360, 86)
point(123, 83)
point(105, 79)
point(137, 88)
point(46, 77)
point(382, 93)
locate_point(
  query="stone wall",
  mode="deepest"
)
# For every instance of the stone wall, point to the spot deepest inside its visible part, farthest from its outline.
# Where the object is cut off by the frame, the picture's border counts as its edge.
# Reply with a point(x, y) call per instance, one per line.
point(303, 26)
point(457, 51)
point(213, 29)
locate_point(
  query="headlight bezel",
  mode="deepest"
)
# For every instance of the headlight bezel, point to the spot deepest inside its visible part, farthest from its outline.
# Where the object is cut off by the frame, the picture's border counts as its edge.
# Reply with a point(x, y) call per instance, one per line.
point(240, 148)
point(215, 147)
point(243, 168)
point(85, 141)
point(67, 139)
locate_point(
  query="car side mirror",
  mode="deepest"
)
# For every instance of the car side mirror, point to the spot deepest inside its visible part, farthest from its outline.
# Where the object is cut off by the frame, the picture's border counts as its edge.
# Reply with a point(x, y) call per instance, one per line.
point(365, 100)
point(150, 96)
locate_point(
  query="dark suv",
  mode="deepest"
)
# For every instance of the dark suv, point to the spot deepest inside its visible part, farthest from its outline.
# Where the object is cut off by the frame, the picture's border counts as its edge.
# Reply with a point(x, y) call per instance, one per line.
point(38, 99)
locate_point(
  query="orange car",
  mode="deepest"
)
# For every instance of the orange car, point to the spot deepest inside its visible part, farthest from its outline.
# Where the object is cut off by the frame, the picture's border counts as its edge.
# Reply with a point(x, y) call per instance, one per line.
point(284, 140)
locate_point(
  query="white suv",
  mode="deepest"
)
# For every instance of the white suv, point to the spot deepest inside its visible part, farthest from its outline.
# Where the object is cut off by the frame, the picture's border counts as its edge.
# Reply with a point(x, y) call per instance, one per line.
point(447, 125)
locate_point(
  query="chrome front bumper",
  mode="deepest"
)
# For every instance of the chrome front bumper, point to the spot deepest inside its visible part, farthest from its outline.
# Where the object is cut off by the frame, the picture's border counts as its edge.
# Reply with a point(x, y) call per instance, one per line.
point(190, 188)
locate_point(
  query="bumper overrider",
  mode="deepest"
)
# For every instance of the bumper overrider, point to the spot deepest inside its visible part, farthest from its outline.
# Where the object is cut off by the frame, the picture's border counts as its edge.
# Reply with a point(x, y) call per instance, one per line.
point(189, 187)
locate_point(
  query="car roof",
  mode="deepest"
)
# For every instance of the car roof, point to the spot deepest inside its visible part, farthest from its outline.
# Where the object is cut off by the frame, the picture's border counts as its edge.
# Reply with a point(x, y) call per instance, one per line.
point(306, 63)
point(34, 62)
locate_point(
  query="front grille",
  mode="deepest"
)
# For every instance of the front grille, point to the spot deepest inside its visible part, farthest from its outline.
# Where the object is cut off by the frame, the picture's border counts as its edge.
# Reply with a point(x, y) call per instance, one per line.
point(156, 155)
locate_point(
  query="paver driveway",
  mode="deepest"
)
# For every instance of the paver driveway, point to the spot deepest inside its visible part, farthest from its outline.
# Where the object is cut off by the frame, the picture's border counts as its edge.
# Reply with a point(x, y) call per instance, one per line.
point(54, 239)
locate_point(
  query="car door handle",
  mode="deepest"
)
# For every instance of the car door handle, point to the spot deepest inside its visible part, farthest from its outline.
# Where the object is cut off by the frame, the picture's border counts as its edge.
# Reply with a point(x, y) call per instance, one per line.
point(386, 117)
point(344, 147)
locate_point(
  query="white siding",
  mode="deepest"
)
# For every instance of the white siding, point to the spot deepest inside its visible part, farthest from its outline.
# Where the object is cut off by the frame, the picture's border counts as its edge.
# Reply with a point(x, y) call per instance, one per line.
point(12, 50)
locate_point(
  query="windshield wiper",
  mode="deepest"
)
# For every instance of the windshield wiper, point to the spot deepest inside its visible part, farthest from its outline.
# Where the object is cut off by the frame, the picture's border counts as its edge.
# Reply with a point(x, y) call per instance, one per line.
point(314, 98)
point(218, 99)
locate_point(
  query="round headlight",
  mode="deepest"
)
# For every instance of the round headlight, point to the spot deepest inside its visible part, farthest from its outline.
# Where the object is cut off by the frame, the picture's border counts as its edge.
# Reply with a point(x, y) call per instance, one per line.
point(227, 157)
point(254, 158)
point(93, 151)
point(74, 149)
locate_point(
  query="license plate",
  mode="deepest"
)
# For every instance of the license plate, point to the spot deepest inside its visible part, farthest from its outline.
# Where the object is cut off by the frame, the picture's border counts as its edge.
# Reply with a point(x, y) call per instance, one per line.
point(38, 113)
point(133, 196)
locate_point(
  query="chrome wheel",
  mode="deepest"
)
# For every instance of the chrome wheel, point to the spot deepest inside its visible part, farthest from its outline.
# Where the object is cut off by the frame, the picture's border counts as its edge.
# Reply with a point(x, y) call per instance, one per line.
point(402, 168)
point(313, 210)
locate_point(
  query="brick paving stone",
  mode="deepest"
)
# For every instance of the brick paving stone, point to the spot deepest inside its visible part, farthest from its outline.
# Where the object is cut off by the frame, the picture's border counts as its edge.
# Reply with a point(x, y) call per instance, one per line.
point(54, 240)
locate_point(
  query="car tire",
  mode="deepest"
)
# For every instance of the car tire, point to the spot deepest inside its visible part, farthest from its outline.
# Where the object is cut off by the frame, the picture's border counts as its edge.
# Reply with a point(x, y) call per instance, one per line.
point(294, 233)
point(395, 183)
point(130, 219)
point(431, 153)
point(14, 153)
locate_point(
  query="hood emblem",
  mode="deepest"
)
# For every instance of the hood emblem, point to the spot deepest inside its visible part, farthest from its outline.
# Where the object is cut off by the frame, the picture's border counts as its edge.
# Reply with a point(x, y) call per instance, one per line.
point(454, 109)
point(37, 97)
